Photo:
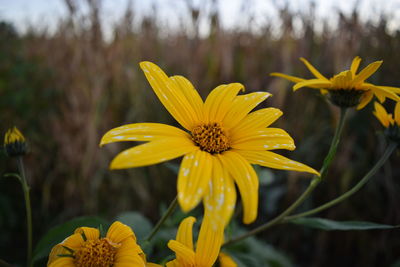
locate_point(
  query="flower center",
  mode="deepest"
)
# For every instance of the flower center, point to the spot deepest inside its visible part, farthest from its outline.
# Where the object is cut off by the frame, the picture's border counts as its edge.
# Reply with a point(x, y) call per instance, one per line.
point(99, 253)
point(346, 97)
point(210, 138)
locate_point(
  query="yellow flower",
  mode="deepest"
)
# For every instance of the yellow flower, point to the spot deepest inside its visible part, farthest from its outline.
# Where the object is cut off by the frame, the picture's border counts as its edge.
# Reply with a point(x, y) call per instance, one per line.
point(348, 88)
point(14, 143)
point(207, 246)
point(87, 248)
point(221, 141)
point(385, 118)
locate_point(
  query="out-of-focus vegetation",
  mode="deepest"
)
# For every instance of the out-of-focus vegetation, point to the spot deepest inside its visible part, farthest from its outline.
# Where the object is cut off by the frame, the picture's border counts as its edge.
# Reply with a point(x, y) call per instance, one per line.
point(65, 89)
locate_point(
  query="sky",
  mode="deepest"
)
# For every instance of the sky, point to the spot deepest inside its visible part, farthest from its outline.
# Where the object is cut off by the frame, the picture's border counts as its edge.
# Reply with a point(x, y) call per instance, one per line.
point(47, 12)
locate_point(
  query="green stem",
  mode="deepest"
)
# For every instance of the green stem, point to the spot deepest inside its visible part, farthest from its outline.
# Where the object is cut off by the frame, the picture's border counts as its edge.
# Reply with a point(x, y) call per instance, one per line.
point(334, 144)
point(26, 189)
point(280, 217)
point(169, 211)
point(313, 184)
point(353, 190)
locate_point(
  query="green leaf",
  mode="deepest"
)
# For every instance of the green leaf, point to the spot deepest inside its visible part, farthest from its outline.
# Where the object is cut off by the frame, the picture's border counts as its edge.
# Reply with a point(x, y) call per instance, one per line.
point(139, 224)
point(58, 233)
point(329, 225)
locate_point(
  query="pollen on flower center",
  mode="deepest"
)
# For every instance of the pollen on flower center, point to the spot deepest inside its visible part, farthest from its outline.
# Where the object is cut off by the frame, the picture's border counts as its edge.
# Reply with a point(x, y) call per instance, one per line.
point(99, 252)
point(210, 138)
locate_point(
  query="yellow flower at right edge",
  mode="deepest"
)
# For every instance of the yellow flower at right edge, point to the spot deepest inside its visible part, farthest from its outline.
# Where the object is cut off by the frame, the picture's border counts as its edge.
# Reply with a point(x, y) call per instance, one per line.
point(390, 121)
point(348, 88)
point(387, 120)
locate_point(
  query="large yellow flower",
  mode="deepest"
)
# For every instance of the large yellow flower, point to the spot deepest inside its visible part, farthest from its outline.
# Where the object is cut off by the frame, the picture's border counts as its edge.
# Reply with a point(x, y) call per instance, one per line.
point(221, 141)
point(207, 247)
point(87, 248)
point(348, 88)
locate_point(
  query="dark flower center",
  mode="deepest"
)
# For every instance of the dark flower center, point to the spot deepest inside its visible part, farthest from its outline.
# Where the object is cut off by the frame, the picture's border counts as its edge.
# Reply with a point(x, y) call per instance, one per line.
point(346, 98)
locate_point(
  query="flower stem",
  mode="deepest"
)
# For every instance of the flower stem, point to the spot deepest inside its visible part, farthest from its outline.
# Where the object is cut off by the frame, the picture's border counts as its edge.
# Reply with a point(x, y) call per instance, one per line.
point(313, 184)
point(169, 211)
point(334, 144)
point(353, 190)
point(315, 181)
point(25, 188)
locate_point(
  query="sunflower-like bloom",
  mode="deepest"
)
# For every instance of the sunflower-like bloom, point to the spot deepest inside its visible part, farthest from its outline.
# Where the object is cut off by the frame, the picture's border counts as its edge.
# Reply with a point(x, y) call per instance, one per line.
point(14, 143)
point(207, 247)
point(348, 88)
point(87, 248)
point(221, 141)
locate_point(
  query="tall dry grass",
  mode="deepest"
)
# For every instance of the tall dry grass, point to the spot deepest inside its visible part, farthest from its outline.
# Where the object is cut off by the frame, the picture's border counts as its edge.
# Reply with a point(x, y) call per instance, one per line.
point(66, 89)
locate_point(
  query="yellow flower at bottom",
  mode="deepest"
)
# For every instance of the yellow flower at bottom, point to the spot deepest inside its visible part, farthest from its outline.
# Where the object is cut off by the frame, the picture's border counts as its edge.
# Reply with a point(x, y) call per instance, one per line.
point(87, 248)
point(222, 139)
point(207, 247)
point(348, 88)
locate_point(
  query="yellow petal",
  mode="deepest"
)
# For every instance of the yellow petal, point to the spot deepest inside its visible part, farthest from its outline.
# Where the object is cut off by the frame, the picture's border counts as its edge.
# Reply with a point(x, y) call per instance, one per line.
point(89, 232)
point(127, 254)
point(258, 119)
point(209, 243)
point(313, 70)
point(287, 77)
point(226, 261)
point(149, 264)
point(354, 65)
point(381, 114)
point(241, 106)
point(153, 152)
point(275, 161)
point(323, 91)
point(55, 251)
point(119, 231)
point(185, 232)
point(74, 241)
point(193, 177)
point(313, 83)
point(191, 95)
point(220, 100)
point(381, 92)
point(247, 181)
point(220, 199)
point(367, 72)
point(62, 262)
point(173, 263)
point(395, 90)
point(365, 99)
point(342, 80)
point(170, 95)
point(141, 132)
point(397, 113)
point(184, 254)
point(266, 139)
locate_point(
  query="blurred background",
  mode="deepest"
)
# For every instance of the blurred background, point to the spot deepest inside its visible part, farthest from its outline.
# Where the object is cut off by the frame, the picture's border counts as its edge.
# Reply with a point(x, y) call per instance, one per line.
point(69, 72)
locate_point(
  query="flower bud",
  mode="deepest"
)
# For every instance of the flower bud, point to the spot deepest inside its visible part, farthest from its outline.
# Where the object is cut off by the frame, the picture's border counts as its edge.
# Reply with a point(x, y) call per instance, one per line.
point(14, 143)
